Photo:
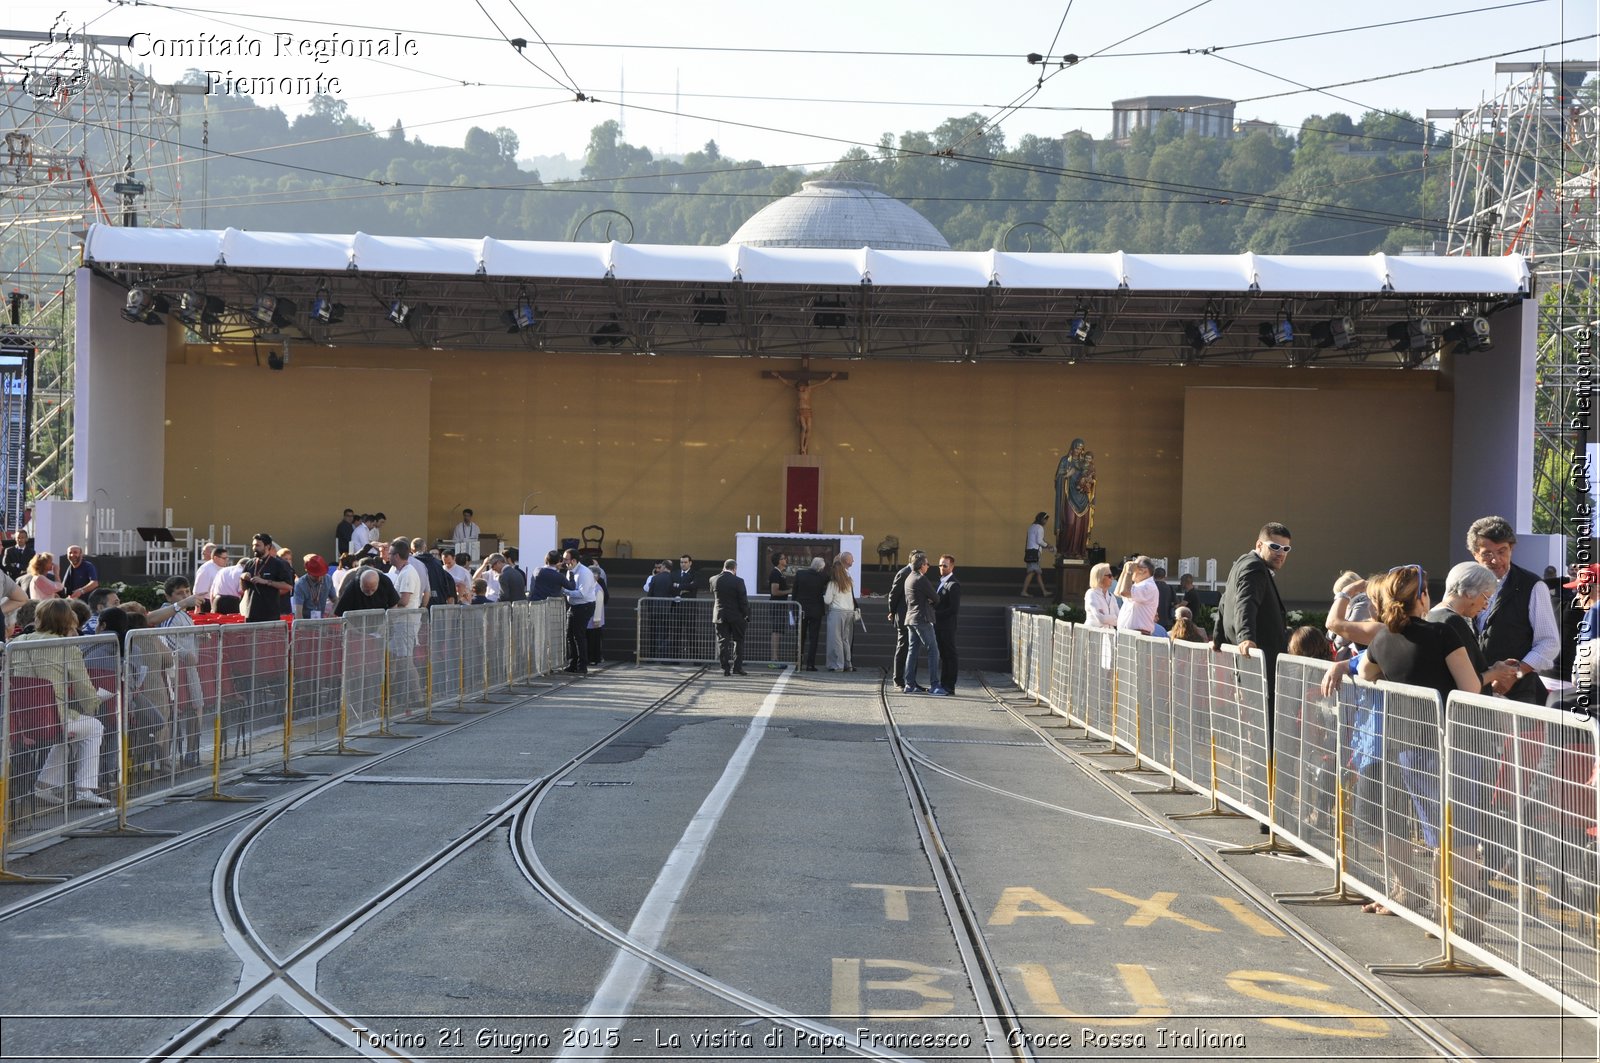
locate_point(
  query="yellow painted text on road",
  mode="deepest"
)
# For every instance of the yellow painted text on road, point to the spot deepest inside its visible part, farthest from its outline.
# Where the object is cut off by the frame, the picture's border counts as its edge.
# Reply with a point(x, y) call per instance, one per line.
point(855, 995)
point(1157, 907)
point(1018, 902)
point(1254, 920)
point(1355, 1022)
point(1148, 1002)
point(895, 908)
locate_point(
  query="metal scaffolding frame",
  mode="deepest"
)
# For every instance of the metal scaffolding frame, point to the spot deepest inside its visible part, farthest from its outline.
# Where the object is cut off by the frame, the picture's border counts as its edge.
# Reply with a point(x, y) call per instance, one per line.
point(1524, 171)
point(87, 137)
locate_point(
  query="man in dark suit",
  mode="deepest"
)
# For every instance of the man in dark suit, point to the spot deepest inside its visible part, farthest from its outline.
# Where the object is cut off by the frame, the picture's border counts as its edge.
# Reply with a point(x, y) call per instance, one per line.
point(655, 616)
point(810, 584)
point(897, 617)
point(730, 614)
point(946, 606)
point(1252, 613)
point(684, 584)
point(513, 581)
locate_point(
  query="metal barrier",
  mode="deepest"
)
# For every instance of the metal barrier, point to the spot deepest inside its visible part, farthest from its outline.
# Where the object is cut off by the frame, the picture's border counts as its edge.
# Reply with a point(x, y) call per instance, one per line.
point(176, 707)
point(680, 629)
point(1483, 831)
point(62, 735)
point(1044, 633)
point(1523, 885)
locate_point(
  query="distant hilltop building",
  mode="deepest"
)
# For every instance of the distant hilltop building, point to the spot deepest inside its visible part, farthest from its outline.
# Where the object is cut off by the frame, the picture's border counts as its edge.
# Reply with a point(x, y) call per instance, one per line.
point(847, 214)
point(1205, 115)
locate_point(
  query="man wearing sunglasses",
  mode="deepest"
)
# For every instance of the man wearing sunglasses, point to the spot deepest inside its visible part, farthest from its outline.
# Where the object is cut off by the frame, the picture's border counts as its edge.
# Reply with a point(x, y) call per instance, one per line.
point(1253, 616)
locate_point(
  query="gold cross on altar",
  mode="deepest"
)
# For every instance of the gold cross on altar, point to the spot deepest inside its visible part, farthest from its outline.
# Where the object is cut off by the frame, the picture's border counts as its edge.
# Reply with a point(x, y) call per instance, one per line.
point(800, 518)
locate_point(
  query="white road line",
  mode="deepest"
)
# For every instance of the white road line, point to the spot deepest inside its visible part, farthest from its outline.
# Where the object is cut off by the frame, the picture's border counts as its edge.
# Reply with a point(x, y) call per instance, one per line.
point(620, 987)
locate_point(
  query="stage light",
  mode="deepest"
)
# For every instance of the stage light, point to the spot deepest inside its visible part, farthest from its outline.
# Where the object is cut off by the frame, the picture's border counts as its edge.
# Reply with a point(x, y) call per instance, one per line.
point(1203, 333)
point(1025, 343)
point(323, 309)
point(196, 309)
point(608, 335)
point(1085, 330)
point(1279, 333)
point(271, 310)
point(830, 313)
point(1470, 335)
point(399, 309)
point(709, 310)
point(14, 303)
point(1337, 332)
point(144, 306)
point(1414, 337)
point(522, 316)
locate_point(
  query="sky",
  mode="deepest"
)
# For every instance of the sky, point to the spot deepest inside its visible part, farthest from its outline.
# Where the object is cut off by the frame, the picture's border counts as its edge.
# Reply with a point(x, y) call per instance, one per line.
point(772, 82)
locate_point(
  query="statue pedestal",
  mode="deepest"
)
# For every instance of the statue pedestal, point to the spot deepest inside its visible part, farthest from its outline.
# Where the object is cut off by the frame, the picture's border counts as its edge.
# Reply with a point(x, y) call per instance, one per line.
point(1072, 580)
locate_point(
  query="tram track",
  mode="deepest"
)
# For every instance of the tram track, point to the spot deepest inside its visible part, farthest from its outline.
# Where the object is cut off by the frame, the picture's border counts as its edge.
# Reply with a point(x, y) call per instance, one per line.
point(292, 977)
point(1005, 1037)
point(1446, 1044)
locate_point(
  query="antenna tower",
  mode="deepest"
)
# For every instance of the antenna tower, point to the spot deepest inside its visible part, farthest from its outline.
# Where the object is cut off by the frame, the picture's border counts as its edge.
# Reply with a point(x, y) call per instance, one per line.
point(1523, 172)
point(87, 138)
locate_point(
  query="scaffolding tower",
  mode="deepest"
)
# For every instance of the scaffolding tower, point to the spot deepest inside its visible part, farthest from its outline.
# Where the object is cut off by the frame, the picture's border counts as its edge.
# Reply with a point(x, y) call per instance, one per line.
point(87, 138)
point(1523, 175)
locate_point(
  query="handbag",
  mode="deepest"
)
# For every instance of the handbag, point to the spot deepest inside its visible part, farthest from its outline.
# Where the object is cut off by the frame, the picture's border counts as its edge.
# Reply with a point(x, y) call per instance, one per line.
point(1030, 556)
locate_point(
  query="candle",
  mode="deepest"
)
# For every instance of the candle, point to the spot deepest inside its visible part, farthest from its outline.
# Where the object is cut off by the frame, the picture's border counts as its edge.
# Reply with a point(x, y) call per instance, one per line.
point(747, 522)
point(758, 522)
point(852, 525)
point(841, 525)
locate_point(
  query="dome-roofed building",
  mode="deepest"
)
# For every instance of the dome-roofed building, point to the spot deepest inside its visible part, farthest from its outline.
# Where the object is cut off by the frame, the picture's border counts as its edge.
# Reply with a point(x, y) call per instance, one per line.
point(846, 214)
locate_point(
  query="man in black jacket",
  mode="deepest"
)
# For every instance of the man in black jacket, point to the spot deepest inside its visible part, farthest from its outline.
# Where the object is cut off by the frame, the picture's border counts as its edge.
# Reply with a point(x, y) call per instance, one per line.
point(547, 582)
point(730, 614)
point(1519, 626)
point(513, 582)
point(897, 617)
point(946, 607)
point(810, 584)
point(684, 584)
point(1252, 613)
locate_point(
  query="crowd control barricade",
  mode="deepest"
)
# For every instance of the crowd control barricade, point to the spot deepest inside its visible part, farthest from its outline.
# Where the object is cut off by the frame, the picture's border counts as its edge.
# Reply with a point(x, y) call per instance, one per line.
point(1306, 758)
point(1153, 691)
point(1018, 639)
point(1125, 694)
point(1058, 695)
point(247, 693)
point(1412, 809)
point(1239, 728)
point(554, 626)
point(680, 629)
point(1523, 886)
point(474, 653)
point(446, 629)
point(406, 664)
point(61, 731)
point(1094, 655)
point(1191, 715)
point(1044, 634)
point(316, 677)
point(522, 642)
point(497, 646)
point(169, 688)
point(365, 645)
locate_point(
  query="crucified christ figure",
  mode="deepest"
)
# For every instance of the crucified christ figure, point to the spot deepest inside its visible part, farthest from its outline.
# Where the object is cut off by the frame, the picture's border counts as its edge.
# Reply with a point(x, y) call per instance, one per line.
point(803, 385)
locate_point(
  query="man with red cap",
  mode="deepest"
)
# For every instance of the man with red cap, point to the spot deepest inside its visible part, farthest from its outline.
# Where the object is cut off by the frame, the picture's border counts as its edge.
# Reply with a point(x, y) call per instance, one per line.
point(313, 593)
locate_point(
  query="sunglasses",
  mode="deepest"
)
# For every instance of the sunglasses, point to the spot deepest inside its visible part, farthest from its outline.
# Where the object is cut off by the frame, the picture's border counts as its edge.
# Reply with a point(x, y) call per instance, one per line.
point(1279, 548)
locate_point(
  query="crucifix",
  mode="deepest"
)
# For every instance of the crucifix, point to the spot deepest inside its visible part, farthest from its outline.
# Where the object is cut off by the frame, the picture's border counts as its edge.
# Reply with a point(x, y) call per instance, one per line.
point(803, 383)
point(800, 518)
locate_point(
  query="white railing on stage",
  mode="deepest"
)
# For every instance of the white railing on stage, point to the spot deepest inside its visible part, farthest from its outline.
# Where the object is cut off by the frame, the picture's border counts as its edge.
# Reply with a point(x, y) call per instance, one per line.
point(180, 708)
point(1475, 820)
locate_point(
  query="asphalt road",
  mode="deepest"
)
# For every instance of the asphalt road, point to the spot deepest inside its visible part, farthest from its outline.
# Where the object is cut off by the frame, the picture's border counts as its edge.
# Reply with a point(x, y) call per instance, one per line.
point(753, 840)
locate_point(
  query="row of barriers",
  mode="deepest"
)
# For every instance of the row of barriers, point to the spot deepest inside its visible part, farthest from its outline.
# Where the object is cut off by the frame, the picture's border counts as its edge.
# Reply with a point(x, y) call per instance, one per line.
point(680, 629)
point(1474, 819)
point(174, 708)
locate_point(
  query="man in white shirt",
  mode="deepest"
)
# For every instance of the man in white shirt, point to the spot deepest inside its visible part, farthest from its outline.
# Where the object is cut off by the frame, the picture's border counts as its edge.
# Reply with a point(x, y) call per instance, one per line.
point(362, 535)
point(582, 590)
point(410, 583)
point(455, 566)
point(1137, 589)
point(206, 574)
point(467, 530)
point(228, 585)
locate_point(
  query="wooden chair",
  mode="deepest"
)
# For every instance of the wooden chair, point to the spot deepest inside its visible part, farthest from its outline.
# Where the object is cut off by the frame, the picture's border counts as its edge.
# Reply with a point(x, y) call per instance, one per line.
point(889, 551)
point(593, 547)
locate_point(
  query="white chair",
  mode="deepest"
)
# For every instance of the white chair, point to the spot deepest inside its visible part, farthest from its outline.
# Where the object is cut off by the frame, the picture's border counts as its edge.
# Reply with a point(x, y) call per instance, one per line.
point(1189, 566)
point(165, 559)
point(108, 538)
point(1211, 573)
point(1159, 562)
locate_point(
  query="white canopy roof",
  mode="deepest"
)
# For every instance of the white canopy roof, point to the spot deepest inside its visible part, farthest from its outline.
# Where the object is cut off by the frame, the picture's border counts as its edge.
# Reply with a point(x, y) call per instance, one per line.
point(240, 250)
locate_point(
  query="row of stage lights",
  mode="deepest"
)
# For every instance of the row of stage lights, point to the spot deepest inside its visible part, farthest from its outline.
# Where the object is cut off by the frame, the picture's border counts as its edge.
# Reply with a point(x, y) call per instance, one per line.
point(1417, 337)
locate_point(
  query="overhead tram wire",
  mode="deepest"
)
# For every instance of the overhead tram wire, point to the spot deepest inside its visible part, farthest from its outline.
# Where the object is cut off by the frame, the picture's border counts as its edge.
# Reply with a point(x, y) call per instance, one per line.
point(535, 31)
point(504, 37)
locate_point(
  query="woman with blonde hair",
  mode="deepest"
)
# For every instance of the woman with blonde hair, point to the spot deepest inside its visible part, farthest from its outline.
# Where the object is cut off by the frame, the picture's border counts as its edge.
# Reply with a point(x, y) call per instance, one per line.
point(40, 582)
point(1099, 604)
point(75, 699)
point(840, 599)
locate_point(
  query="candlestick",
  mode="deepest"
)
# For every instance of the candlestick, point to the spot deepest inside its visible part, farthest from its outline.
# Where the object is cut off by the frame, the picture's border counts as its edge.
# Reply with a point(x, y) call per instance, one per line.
point(758, 522)
point(747, 522)
point(852, 525)
point(841, 525)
